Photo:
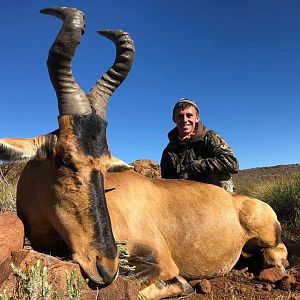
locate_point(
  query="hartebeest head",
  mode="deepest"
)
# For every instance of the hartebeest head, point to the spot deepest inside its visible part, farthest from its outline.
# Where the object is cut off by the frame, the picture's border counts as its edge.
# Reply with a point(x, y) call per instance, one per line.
point(78, 151)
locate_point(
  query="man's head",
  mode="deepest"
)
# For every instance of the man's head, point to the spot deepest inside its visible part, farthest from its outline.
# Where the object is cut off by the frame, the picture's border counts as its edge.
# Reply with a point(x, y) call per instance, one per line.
point(186, 116)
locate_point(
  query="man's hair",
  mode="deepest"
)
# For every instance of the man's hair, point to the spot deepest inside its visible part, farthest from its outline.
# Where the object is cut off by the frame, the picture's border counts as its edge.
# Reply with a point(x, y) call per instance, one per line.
point(182, 104)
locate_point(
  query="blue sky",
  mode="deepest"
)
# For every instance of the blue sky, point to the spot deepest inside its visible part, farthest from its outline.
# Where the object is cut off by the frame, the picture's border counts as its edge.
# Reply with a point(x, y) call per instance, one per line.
point(240, 60)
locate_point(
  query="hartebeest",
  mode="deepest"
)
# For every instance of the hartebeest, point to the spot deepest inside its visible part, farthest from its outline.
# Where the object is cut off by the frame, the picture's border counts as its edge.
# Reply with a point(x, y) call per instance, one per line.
point(73, 192)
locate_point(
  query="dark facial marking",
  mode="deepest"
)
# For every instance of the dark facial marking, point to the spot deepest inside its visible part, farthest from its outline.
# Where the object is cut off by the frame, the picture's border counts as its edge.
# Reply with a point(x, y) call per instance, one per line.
point(103, 237)
point(90, 133)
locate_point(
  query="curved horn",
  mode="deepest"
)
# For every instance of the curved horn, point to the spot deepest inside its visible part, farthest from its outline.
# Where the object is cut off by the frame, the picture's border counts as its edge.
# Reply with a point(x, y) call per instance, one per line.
point(99, 95)
point(71, 98)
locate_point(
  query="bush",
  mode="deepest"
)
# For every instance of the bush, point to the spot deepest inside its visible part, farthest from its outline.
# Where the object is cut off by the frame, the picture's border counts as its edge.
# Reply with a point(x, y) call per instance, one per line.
point(33, 284)
point(9, 176)
point(282, 194)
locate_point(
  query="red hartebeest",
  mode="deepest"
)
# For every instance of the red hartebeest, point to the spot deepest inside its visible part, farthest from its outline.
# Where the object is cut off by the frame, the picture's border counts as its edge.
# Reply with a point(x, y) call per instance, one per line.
point(73, 192)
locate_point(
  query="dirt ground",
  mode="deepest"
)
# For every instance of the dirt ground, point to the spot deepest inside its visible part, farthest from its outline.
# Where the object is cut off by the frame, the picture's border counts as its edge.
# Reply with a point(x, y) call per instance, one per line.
point(243, 284)
point(239, 285)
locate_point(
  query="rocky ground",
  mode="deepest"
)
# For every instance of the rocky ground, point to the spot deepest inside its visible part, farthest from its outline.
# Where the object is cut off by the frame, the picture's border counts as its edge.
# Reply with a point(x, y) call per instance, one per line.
point(246, 281)
point(240, 284)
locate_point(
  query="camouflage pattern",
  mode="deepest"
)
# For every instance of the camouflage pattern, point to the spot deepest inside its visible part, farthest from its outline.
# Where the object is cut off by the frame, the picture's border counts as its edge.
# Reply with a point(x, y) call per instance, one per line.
point(206, 158)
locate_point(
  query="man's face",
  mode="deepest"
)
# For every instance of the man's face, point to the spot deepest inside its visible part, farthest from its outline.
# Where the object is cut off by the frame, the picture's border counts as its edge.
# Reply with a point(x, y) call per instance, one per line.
point(186, 120)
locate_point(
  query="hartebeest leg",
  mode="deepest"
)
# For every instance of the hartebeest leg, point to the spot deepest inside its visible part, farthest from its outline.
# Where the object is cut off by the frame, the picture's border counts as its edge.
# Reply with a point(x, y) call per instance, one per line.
point(157, 272)
point(151, 265)
point(276, 256)
point(261, 225)
point(177, 286)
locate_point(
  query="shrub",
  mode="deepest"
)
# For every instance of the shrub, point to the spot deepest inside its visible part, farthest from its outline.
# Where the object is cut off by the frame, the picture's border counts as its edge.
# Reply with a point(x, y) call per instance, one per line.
point(33, 284)
point(8, 192)
point(9, 176)
point(282, 194)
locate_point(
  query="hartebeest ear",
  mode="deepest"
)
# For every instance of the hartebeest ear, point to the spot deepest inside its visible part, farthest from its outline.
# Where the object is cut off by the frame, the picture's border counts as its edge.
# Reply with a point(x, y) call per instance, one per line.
point(39, 147)
point(116, 165)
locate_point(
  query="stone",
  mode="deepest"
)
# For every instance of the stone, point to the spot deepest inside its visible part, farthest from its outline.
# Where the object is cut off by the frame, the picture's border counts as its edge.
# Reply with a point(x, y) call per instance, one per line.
point(271, 275)
point(268, 287)
point(203, 287)
point(287, 283)
point(11, 234)
point(121, 288)
point(147, 167)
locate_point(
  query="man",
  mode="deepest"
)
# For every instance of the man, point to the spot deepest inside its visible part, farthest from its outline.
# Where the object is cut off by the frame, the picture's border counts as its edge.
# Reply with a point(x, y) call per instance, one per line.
point(195, 152)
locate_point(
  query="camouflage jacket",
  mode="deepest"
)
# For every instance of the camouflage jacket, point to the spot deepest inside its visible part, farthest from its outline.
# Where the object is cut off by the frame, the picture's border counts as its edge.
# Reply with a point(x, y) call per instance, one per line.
point(203, 155)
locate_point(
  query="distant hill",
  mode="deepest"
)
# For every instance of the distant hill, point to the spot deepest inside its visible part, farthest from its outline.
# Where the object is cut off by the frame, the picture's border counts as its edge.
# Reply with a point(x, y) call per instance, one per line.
point(265, 173)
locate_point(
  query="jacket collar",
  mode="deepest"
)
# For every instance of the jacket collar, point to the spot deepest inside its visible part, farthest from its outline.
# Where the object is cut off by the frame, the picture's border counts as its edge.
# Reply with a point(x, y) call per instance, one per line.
point(201, 130)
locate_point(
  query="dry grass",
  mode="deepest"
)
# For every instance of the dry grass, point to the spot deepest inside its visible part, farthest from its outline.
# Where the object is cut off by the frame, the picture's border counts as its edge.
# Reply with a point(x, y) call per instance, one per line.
point(9, 175)
point(282, 193)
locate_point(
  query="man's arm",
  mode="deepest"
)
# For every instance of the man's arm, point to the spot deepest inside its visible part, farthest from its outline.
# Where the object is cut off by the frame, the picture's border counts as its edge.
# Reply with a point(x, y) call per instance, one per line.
point(167, 167)
point(221, 159)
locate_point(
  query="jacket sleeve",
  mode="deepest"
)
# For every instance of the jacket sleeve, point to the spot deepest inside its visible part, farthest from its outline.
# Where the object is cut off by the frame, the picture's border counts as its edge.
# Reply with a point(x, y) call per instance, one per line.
point(167, 167)
point(221, 159)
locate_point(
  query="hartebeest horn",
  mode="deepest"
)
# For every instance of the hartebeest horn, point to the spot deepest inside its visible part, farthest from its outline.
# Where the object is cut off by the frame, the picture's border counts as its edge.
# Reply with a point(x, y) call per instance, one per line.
point(99, 95)
point(71, 98)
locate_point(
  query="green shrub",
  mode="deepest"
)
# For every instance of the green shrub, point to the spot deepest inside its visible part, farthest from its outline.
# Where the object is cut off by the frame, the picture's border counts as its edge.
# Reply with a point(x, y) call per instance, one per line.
point(33, 284)
point(282, 194)
point(285, 200)
point(75, 285)
point(7, 195)
point(9, 176)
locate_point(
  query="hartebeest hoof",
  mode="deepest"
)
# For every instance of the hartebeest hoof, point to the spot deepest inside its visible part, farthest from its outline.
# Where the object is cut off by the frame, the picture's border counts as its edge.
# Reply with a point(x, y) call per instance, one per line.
point(177, 286)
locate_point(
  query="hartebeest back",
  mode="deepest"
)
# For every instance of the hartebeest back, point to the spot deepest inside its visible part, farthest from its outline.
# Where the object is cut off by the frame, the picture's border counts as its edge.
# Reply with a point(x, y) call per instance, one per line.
point(72, 191)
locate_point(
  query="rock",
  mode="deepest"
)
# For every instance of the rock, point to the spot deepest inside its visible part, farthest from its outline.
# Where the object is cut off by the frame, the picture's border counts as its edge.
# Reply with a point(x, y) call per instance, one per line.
point(268, 287)
point(146, 167)
point(122, 288)
point(287, 283)
point(271, 275)
point(11, 234)
point(203, 287)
